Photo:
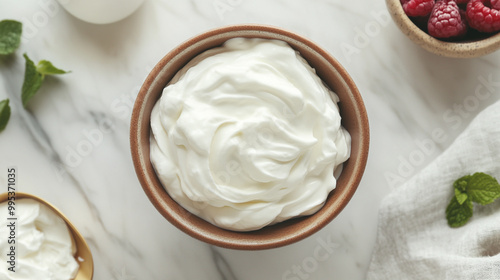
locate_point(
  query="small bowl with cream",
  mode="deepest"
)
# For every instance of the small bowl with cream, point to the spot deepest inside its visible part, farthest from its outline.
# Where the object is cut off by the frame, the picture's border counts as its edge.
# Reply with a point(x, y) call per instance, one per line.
point(41, 242)
point(249, 137)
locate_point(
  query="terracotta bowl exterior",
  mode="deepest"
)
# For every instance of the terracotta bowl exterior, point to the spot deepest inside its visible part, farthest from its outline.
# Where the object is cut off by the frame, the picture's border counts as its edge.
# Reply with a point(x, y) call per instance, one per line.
point(354, 119)
point(465, 49)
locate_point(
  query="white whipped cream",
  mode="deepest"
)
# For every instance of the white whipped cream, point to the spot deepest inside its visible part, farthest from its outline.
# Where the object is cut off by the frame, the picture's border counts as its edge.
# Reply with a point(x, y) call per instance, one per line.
point(45, 247)
point(247, 135)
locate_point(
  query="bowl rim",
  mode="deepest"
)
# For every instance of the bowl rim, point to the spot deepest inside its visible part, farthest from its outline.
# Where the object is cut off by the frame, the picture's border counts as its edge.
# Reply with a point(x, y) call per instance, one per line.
point(239, 240)
point(469, 49)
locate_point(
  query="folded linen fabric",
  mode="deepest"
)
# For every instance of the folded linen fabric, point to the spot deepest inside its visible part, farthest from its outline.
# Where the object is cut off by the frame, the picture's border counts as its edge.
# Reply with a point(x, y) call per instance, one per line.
point(414, 240)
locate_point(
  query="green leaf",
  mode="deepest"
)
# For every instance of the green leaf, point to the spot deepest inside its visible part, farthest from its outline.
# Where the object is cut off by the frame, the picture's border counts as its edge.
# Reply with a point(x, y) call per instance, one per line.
point(45, 67)
point(10, 36)
point(458, 214)
point(483, 188)
point(462, 183)
point(32, 81)
point(461, 197)
point(4, 113)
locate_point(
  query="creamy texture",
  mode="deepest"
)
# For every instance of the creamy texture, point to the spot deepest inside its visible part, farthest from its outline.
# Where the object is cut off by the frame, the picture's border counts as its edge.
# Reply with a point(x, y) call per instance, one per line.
point(247, 135)
point(45, 247)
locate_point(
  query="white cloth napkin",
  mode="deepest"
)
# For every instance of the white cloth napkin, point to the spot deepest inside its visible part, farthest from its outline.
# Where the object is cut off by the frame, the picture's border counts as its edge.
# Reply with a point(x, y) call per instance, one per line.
point(414, 240)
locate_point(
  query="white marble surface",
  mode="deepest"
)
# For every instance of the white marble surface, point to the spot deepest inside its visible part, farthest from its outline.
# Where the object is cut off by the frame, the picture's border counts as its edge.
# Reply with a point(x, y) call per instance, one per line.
point(71, 146)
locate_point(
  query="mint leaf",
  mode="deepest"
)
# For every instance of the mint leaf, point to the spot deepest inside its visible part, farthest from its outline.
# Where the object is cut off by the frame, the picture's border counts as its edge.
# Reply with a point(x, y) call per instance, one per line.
point(461, 197)
point(458, 214)
point(10, 36)
point(4, 113)
point(483, 188)
point(462, 183)
point(45, 67)
point(34, 76)
point(32, 81)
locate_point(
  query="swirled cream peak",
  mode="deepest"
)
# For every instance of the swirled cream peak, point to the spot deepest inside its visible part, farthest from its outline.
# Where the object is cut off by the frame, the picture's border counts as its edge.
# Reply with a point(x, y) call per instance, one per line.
point(247, 135)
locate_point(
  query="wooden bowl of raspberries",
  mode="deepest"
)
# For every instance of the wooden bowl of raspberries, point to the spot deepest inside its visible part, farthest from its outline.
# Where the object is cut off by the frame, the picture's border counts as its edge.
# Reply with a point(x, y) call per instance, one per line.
point(452, 28)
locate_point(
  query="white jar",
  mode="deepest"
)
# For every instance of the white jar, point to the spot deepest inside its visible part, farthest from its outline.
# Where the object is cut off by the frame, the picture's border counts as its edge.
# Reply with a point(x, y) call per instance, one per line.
point(101, 11)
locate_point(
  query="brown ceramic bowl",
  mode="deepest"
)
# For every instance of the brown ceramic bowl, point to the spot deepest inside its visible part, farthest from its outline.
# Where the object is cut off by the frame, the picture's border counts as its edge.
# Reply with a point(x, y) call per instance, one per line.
point(459, 49)
point(354, 119)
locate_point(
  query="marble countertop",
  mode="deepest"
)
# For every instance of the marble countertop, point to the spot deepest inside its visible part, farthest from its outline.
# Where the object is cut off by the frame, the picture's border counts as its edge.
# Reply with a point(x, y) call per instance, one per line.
point(71, 146)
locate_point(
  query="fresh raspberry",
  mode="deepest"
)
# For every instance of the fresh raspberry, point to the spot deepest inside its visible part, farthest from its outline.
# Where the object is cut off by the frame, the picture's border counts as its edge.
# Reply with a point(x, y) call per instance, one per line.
point(482, 17)
point(446, 21)
point(417, 8)
point(495, 4)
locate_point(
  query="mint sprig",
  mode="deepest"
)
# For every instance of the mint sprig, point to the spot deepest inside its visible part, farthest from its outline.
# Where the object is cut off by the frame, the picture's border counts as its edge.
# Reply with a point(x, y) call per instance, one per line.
point(479, 188)
point(4, 113)
point(34, 76)
point(10, 39)
point(10, 36)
